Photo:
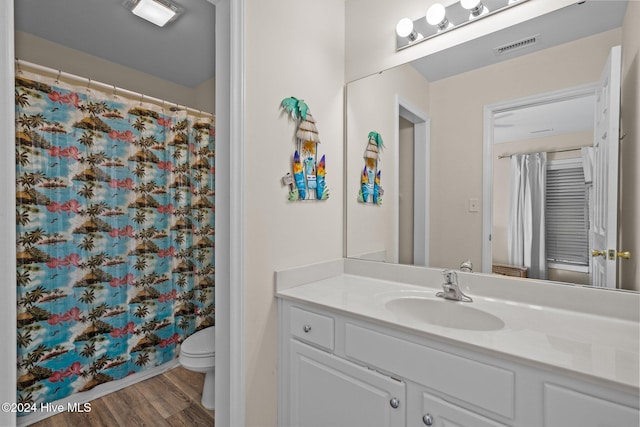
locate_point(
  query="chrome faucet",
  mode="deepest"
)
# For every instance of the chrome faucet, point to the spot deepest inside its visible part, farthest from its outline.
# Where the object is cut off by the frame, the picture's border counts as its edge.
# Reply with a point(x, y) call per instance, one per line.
point(450, 288)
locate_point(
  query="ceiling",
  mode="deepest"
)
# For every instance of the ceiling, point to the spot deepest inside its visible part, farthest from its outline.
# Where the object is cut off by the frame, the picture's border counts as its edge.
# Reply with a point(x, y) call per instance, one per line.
point(565, 116)
point(182, 52)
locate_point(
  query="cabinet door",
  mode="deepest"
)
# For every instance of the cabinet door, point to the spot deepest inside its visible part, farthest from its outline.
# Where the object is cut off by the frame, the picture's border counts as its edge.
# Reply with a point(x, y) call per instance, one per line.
point(326, 391)
point(568, 408)
point(439, 413)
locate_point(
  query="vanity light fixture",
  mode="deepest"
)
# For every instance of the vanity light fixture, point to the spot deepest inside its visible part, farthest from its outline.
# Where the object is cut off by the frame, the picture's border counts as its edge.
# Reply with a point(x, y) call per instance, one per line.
point(440, 19)
point(158, 12)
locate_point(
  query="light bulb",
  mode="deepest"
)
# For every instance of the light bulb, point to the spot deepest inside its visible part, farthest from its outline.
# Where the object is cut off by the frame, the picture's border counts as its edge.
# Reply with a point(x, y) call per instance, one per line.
point(436, 15)
point(474, 6)
point(404, 27)
point(470, 4)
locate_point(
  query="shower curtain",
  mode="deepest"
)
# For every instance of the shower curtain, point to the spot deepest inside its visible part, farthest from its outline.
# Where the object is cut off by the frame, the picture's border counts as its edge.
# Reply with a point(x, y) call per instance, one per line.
point(526, 234)
point(115, 235)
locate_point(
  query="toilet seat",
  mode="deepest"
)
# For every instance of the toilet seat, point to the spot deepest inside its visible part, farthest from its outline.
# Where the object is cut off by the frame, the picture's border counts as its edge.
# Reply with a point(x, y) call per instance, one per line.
point(199, 345)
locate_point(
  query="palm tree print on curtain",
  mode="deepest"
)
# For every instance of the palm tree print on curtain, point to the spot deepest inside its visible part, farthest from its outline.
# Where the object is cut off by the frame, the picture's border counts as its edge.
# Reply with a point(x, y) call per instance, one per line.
point(115, 235)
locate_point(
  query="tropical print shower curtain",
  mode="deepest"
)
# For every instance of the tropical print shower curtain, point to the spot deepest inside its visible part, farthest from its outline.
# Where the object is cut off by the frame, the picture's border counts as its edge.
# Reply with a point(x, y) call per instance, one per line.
point(115, 235)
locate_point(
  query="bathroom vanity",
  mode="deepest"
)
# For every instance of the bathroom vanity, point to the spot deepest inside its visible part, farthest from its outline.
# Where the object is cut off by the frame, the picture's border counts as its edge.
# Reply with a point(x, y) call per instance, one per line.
point(359, 349)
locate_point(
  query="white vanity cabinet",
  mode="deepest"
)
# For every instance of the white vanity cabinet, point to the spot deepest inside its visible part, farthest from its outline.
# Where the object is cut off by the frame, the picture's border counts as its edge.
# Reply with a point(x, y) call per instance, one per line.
point(324, 390)
point(336, 369)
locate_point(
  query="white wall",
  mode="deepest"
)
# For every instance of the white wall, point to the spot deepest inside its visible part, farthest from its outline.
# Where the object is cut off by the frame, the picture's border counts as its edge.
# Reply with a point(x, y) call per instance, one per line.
point(371, 38)
point(457, 128)
point(292, 48)
point(629, 239)
point(371, 107)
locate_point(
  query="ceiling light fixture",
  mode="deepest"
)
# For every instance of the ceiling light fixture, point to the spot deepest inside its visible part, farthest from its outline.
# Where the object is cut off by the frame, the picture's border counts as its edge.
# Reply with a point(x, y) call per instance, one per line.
point(158, 12)
point(440, 19)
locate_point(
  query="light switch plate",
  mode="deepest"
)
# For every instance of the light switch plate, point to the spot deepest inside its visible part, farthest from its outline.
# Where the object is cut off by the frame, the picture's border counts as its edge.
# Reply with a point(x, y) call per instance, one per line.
point(474, 205)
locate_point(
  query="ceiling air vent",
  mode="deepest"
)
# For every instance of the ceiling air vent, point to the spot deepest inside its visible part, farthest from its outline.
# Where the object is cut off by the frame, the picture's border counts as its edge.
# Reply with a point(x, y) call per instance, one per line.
point(520, 44)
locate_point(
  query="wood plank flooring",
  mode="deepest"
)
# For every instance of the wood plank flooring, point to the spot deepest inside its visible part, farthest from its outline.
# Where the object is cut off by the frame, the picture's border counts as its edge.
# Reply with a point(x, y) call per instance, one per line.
point(171, 399)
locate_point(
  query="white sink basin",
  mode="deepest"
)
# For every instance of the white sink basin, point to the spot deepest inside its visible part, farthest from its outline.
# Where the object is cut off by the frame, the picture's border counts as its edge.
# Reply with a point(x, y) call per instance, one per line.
point(441, 312)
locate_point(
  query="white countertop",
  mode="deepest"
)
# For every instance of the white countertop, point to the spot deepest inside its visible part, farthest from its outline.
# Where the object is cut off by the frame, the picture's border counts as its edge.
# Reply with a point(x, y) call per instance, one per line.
point(601, 347)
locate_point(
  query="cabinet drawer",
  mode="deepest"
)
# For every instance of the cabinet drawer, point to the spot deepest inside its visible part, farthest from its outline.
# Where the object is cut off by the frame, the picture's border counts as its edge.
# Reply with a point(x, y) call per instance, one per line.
point(565, 407)
point(311, 327)
point(479, 384)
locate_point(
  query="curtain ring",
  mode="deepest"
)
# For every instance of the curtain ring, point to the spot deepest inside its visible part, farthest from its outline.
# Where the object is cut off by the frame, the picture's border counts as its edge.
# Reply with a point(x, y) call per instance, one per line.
point(57, 80)
point(89, 84)
point(141, 98)
point(19, 69)
point(115, 95)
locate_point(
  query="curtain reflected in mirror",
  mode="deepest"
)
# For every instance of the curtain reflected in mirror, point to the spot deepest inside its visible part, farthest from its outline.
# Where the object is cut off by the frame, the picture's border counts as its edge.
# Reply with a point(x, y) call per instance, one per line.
point(526, 237)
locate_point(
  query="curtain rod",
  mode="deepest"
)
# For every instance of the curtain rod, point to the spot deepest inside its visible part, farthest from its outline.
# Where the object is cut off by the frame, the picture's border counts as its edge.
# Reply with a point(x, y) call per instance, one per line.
point(504, 156)
point(106, 87)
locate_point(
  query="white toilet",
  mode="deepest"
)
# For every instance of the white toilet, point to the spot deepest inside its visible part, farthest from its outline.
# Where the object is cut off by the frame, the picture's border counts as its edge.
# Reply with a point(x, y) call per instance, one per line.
point(198, 354)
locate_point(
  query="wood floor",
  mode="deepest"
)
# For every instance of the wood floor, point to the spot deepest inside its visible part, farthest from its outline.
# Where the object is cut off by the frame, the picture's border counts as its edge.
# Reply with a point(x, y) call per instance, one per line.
point(170, 399)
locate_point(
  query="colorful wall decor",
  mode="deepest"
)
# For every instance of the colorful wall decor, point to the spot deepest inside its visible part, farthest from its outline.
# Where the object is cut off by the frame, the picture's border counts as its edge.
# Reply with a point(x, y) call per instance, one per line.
point(308, 180)
point(115, 235)
point(370, 189)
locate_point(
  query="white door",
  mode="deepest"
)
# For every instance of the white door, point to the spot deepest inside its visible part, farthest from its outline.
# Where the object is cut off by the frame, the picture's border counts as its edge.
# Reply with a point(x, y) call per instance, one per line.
point(605, 173)
point(329, 392)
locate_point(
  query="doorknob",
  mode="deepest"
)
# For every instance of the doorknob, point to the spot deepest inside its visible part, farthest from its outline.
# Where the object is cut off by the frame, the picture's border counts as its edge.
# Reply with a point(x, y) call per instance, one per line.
point(595, 253)
point(624, 255)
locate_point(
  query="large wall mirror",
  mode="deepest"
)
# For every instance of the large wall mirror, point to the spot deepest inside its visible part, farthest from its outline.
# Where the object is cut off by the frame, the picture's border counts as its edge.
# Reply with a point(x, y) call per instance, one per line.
point(454, 122)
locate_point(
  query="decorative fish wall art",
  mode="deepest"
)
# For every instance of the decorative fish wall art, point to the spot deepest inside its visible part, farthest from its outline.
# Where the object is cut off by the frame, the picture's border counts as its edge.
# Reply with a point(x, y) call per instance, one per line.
point(370, 189)
point(308, 180)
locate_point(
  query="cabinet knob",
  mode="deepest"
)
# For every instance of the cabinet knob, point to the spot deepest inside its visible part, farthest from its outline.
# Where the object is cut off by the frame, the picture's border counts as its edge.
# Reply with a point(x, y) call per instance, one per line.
point(394, 402)
point(306, 328)
point(427, 419)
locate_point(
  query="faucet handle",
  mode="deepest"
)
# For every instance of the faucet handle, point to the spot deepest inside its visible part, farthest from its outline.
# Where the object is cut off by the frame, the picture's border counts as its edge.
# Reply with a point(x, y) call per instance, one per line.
point(450, 277)
point(467, 266)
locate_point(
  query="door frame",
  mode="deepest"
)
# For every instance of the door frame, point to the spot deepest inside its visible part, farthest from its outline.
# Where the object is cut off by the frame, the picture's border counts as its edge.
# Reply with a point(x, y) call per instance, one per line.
point(230, 347)
point(8, 309)
point(489, 112)
point(421, 179)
